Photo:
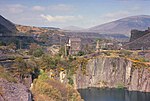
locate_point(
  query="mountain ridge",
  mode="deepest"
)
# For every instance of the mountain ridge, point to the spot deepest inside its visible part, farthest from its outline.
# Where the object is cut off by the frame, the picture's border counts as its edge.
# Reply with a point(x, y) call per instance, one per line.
point(123, 26)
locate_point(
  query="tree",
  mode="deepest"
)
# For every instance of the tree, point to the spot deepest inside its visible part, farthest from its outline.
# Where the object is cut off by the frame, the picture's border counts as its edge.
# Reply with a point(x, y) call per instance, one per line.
point(48, 62)
point(35, 50)
point(62, 51)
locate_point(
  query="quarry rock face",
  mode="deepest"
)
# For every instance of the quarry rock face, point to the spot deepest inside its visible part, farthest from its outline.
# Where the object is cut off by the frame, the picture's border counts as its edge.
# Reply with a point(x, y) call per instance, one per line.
point(140, 80)
point(113, 72)
point(14, 91)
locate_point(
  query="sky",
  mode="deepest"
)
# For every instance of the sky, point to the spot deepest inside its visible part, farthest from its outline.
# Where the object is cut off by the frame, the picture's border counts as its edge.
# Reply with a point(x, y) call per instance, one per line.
point(63, 13)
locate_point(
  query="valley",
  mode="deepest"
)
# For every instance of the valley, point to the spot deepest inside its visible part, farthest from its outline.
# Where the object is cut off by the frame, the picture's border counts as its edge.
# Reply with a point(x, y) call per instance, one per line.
point(54, 64)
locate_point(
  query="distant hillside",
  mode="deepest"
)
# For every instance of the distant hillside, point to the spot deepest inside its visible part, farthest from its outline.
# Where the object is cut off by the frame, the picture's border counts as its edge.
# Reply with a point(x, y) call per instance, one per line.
point(123, 26)
point(7, 27)
point(73, 28)
point(51, 28)
point(31, 29)
point(93, 35)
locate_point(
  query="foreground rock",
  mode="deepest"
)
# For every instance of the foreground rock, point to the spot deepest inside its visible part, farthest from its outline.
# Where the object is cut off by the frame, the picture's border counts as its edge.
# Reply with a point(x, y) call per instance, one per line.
point(10, 91)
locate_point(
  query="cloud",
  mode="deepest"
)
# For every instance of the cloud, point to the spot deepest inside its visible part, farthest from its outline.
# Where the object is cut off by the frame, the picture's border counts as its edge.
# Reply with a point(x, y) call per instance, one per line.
point(136, 8)
point(112, 16)
point(117, 14)
point(61, 7)
point(60, 18)
point(14, 8)
point(122, 13)
point(38, 8)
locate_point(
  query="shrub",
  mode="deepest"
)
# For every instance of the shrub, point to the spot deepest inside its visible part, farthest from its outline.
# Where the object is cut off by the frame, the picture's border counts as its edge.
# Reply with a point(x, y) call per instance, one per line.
point(125, 53)
point(39, 52)
point(70, 81)
point(120, 86)
point(143, 60)
point(107, 53)
point(53, 90)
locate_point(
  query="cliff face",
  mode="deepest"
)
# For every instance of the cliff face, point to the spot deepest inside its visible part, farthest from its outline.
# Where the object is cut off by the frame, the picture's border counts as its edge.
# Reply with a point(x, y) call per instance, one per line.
point(113, 72)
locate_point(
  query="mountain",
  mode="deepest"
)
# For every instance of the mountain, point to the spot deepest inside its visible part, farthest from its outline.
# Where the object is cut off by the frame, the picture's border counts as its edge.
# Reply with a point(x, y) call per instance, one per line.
point(123, 26)
point(93, 35)
point(73, 28)
point(7, 27)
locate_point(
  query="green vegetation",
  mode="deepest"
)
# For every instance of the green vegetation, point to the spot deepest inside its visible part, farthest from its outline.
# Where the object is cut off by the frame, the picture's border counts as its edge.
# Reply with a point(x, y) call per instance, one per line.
point(22, 68)
point(140, 59)
point(120, 86)
point(80, 53)
point(38, 52)
point(46, 89)
point(48, 62)
point(139, 65)
point(70, 81)
point(124, 53)
point(2, 43)
point(62, 51)
point(107, 53)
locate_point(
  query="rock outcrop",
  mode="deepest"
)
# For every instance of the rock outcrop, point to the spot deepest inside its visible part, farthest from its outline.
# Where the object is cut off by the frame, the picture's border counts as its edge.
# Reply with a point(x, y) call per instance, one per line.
point(139, 40)
point(113, 72)
point(10, 91)
point(135, 34)
point(7, 28)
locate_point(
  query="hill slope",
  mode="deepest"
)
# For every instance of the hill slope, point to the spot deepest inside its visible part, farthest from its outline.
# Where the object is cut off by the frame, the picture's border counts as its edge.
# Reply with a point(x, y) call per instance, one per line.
point(7, 27)
point(73, 28)
point(123, 26)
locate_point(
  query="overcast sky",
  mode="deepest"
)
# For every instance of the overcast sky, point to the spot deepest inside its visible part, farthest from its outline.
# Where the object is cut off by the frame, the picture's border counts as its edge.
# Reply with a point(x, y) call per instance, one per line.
point(62, 13)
